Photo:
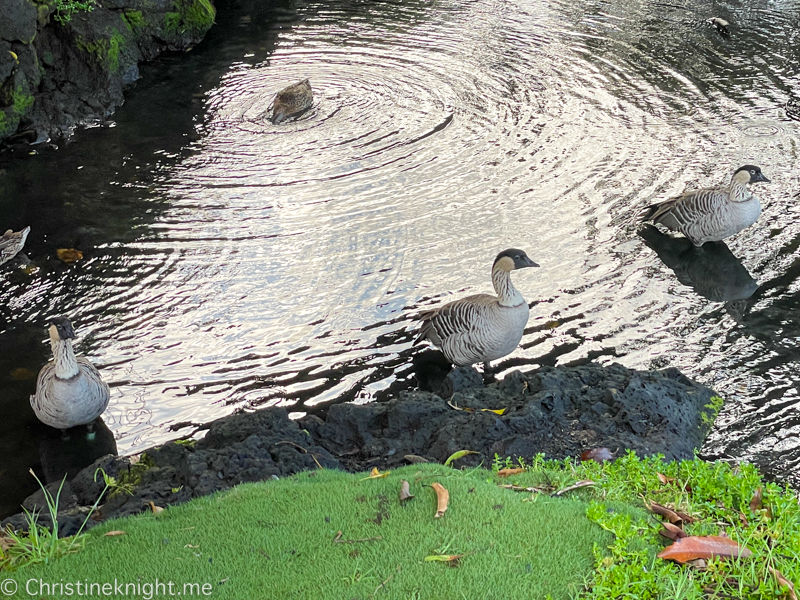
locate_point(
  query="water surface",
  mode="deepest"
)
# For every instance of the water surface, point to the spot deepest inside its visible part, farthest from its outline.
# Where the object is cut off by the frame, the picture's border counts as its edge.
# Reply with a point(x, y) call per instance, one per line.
point(231, 263)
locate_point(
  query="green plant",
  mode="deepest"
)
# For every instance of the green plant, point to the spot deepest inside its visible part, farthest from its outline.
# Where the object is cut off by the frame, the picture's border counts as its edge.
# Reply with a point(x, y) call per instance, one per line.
point(714, 406)
point(39, 544)
point(116, 487)
point(66, 8)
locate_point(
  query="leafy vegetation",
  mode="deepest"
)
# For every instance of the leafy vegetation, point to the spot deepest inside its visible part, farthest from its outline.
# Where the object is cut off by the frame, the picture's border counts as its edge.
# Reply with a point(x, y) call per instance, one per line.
point(65, 9)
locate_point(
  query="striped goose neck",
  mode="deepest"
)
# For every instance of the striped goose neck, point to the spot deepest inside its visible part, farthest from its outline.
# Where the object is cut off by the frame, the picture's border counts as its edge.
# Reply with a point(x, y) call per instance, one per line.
point(507, 294)
point(66, 365)
point(739, 192)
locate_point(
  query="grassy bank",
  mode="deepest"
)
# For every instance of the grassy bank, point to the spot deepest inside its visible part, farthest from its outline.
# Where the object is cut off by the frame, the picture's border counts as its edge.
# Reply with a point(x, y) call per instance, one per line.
point(328, 534)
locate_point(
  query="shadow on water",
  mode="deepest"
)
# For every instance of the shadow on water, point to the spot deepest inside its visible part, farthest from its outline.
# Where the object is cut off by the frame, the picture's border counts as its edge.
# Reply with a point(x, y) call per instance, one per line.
point(231, 263)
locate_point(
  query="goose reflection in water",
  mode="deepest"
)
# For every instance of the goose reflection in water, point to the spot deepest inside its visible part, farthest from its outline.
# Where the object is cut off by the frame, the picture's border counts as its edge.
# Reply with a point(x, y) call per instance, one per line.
point(712, 270)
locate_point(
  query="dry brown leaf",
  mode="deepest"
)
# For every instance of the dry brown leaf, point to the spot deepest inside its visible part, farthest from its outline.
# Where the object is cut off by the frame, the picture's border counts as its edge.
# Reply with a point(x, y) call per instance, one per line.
point(672, 532)
point(743, 519)
point(405, 492)
point(23, 374)
point(664, 479)
point(156, 509)
point(756, 502)
point(597, 455)
point(115, 532)
point(519, 488)
point(686, 518)
point(508, 472)
point(375, 474)
point(442, 498)
point(69, 255)
point(574, 486)
point(665, 512)
point(414, 459)
point(782, 581)
point(6, 543)
point(689, 548)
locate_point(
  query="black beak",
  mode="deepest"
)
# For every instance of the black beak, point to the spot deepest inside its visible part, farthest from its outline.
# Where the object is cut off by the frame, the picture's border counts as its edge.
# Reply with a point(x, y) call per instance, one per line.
point(530, 263)
point(761, 177)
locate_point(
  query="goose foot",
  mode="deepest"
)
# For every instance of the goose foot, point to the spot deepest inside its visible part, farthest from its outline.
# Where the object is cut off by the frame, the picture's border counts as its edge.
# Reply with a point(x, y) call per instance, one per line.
point(90, 432)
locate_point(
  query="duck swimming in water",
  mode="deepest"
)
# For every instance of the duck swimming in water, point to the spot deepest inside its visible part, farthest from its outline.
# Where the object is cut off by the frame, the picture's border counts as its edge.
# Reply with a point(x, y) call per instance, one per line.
point(11, 242)
point(69, 390)
point(711, 214)
point(481, 328)
point(291, 101)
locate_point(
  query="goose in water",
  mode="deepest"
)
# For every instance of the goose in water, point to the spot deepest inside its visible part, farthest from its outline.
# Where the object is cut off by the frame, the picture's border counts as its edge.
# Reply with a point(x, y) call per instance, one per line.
point(292, 100)
point(481, 328)
point(711, 214)
point(69, 390)
point(11, 242)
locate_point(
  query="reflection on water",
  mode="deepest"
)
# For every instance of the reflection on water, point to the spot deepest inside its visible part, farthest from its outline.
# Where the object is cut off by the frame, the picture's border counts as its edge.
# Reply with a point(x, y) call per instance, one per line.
point(229, 262)
point(711, 270)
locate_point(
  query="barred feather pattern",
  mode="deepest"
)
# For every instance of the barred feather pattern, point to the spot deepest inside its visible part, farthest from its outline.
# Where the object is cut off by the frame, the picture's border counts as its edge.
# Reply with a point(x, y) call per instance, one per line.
point(707, 215)
point(478, 328)
point(11, 242)
point(64, 402)
point(292, 100)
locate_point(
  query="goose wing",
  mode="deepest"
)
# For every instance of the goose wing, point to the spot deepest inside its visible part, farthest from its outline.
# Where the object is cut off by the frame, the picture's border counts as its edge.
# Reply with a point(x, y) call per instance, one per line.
point(689, 207)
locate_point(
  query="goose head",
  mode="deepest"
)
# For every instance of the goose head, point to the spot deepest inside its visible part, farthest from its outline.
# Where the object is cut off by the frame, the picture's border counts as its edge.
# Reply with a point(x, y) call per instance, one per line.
point(512, 259)
point(61, 329)
point(749, 174)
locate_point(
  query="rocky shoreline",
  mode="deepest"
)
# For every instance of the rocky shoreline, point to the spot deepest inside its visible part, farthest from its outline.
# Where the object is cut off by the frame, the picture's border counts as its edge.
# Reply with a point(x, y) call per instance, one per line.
point(65, 63)
point(558, 411)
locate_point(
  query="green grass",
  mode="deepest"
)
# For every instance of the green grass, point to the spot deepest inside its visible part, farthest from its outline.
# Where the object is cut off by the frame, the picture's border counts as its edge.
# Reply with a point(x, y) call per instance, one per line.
point(276, 540)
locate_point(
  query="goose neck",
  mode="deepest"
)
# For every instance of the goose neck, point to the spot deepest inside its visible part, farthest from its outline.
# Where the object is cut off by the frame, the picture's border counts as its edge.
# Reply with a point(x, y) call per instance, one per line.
point(66, 365)
point(507, 294)
point(739, 192)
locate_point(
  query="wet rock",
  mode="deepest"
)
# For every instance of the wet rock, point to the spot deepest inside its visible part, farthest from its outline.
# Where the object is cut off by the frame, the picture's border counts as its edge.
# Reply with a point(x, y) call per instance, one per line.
point(558, 411)
point(60, 70)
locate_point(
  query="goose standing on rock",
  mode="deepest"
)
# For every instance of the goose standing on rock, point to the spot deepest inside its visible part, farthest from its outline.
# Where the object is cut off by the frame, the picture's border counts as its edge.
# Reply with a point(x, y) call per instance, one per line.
point(291, 101)
point(69, 390)
point(11, 242)
point(711, 214)
point(481, 328)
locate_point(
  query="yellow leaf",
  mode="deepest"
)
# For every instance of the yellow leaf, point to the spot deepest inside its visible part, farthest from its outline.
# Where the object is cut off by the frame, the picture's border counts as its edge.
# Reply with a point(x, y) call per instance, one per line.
point(457, 455)
point(156, 509)
point(375, 474)
point(497, 411)
point(69, 255)
point(443, 557)
point(14, 56)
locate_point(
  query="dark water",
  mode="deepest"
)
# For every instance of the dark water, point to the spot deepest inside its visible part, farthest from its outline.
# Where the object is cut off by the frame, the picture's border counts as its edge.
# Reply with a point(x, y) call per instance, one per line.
point(230, 263)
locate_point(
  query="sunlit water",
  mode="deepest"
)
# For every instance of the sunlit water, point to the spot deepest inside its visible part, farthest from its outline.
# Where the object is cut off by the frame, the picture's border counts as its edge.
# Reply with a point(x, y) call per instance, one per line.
point(231, 263)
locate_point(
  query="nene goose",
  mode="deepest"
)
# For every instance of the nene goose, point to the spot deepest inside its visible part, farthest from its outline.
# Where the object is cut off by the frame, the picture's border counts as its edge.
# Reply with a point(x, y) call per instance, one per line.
point(291, 101)
point(11, 243)
point(711, 214)
point(481, 328)
point(69, 390)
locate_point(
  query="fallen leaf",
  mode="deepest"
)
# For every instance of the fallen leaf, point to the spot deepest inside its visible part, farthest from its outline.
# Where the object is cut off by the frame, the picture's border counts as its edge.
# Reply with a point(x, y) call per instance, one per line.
point(449, 558)
point(574, 486)
point(442, 498)
point(665, 512)
point(597, 455)
point(414, 459)
point(756, 502)
point(689, 548)
point(405, 492)
point(673, 532)
point(375, 474)
point(519, 488)
point(457, 455)
point(782, 581)
point(664, 479)
point(457, 407)
point(497, 411)
point(156, 509)
point(686, 518)
point(507, 472)
point(6, 543)
point(69, 255)
point(744, 520)
point(113, 533)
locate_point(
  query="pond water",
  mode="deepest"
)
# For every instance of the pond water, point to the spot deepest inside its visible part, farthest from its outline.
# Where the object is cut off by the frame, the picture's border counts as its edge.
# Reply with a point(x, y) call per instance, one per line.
point(230, 263)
